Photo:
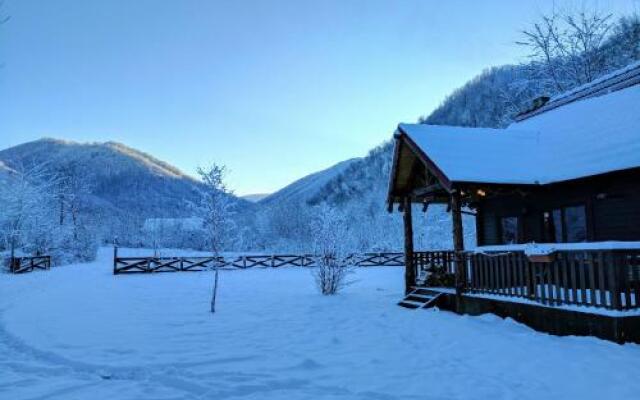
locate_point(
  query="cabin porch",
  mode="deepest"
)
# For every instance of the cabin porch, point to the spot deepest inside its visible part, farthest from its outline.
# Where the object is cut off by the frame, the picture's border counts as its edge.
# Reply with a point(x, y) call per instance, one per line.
point(567, 292)
point(608, 279)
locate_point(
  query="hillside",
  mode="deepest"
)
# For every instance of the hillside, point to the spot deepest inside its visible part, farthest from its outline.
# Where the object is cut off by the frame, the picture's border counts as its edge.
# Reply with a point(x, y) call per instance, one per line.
point(124, 186)
point(490, 100)
point(307, 188)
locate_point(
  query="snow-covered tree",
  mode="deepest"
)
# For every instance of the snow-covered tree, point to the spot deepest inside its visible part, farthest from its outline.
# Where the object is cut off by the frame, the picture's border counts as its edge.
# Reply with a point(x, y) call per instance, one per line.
point(215, 207)
point(27, 204)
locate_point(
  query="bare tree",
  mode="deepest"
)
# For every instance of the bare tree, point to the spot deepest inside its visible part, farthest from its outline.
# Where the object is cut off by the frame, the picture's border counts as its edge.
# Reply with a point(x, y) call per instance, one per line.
point(567, 48)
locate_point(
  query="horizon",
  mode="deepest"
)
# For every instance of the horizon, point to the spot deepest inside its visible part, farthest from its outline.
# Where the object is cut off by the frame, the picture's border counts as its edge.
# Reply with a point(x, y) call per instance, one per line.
point(326, 82)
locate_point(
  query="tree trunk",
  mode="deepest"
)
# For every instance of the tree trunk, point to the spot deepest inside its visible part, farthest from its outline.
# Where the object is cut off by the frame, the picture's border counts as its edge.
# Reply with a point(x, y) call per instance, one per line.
point(410, 271)
point(215, 291)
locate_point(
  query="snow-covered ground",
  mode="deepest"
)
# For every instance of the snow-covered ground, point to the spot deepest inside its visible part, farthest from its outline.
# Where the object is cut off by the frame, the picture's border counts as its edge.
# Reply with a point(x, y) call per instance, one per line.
point(78, 332)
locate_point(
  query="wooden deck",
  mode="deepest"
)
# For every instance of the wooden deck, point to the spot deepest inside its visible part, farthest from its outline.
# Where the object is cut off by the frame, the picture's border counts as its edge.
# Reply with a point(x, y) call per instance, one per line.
point(565, 320)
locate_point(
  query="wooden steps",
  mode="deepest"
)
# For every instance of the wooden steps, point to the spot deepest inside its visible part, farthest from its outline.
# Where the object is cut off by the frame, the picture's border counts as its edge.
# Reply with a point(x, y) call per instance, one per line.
point(420, 298)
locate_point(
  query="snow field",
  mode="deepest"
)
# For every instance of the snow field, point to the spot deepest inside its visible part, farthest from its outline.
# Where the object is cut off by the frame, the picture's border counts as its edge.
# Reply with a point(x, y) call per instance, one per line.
point(78, 332)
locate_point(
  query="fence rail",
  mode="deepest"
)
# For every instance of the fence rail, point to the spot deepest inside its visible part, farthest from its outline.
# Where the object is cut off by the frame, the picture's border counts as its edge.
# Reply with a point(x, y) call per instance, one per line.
point(595, 278)
point(20, 265)
point(123, 265)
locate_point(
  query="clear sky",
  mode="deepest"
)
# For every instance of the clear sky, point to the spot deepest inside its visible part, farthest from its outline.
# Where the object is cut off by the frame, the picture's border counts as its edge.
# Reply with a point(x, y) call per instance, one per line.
point(272, 89)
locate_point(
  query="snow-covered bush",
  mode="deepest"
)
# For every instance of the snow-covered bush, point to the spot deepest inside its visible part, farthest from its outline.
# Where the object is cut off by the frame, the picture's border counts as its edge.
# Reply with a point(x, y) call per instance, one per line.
point(333, 262)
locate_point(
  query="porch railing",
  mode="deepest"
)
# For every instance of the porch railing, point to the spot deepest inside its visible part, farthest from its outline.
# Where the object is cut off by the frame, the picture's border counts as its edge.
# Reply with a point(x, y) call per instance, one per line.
point(596, 278)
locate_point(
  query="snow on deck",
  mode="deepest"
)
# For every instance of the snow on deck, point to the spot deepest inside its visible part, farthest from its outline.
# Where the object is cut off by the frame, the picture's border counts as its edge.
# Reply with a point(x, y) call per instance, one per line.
point(78, 332)
point(548, 248)
point(584, 138)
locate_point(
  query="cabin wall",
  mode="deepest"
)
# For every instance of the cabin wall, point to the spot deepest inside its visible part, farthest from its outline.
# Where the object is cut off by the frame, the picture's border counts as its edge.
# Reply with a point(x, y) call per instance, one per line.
point(612, 204)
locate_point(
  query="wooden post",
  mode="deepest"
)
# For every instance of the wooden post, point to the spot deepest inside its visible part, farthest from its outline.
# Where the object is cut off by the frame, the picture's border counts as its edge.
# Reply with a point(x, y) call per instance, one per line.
point(12, 261)
point(115, 256)
point(410, 272)
point(480, 226)
point(458, 241)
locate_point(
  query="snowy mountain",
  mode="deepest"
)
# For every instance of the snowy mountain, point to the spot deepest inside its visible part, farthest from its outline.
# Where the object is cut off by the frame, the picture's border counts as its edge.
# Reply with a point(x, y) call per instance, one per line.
point(255, 197)
point(306, 188)
point(125, 186)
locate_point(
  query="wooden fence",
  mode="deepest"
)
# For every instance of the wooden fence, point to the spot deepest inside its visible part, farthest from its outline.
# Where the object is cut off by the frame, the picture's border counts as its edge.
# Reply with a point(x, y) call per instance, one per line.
point(122, 265)
point(596, 278)
point(20, 265)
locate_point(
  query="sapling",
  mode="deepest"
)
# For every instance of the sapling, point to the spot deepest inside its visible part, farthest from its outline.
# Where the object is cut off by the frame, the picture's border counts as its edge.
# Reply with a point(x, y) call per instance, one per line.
point(216, 215)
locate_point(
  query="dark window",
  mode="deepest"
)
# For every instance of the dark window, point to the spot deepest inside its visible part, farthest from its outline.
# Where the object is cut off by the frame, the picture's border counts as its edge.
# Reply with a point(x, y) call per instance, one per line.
point(509, 230)
point(575, 222)
point(567, 224)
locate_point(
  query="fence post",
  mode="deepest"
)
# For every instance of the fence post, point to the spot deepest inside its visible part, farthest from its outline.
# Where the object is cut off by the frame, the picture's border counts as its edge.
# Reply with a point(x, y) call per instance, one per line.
point(115, 256)
point(12, 260)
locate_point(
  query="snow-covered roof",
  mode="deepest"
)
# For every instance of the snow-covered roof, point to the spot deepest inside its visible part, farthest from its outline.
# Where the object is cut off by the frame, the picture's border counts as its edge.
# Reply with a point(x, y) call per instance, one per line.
point(476, 154)
point(616, 80)
point(588, 137)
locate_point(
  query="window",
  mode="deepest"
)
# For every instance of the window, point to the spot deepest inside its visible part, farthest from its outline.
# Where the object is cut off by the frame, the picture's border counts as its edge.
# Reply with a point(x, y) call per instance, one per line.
point(575, 222)
point(509, 230)
point(567, 224)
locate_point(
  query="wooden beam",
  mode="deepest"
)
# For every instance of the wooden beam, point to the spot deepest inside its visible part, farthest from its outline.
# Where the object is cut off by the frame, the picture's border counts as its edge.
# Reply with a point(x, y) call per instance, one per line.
point(427, 190)
point(410, 272)
point(458, 240)
point(428, 163)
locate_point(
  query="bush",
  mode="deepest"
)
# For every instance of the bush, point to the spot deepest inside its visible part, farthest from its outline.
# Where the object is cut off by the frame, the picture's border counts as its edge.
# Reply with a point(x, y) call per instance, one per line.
point(333, 264)
point(331, 273)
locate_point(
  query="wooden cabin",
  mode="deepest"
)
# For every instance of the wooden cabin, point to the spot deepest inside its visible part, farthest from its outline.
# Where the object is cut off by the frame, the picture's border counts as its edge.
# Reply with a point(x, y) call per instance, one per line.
point(556, 199)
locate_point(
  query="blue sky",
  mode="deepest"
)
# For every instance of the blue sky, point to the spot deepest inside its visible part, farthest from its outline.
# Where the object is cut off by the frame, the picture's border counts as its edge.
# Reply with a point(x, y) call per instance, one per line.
point(272, 89)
